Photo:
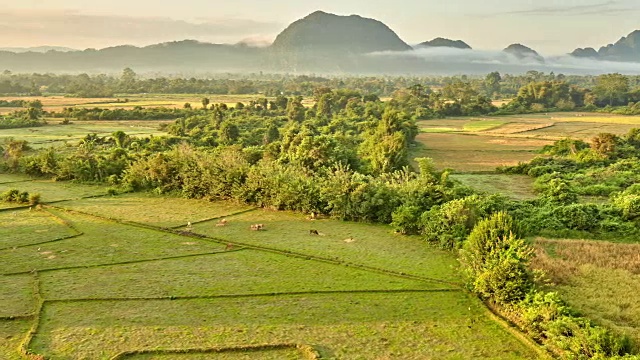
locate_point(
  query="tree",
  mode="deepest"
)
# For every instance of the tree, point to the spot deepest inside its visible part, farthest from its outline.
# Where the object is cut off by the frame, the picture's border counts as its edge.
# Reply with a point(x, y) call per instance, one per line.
point(33, 113)
point(295, 110)
point(128, 80)
point(229, 133)
point(496, 260)
point(324, 106)
point(612, 88)
point(492, 83)
point(205, 103)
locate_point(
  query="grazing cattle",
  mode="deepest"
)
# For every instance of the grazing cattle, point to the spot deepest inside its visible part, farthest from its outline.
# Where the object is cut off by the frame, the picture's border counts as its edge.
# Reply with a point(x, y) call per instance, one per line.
point(257, 227)
point(314, 232)
point(221, 223)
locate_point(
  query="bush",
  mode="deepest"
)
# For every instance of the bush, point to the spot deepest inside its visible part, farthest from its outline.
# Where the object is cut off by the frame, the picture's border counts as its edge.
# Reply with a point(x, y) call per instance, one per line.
point(496, 260)
point(34, 199)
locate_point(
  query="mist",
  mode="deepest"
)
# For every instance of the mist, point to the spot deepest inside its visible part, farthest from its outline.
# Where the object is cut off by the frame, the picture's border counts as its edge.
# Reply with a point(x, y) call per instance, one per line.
point(453, 61)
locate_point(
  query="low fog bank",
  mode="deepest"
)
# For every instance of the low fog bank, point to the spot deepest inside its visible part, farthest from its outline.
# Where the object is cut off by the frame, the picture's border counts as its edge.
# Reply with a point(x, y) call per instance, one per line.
point(452, 61)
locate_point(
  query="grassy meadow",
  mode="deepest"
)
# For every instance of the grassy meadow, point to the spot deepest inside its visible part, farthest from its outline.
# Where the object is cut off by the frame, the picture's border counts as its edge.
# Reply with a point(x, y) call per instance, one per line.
point(482, 144)
point(599, 279)
point(116, 280)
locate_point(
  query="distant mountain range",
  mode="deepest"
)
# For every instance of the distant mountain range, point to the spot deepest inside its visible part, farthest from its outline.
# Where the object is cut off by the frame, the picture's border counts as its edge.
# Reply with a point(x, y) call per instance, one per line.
point(447, 43)
point(37, 49)
point(318, 43)
point(626, 49)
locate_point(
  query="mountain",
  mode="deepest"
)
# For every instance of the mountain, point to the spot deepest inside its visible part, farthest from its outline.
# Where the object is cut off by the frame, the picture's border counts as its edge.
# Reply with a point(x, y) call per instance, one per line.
point(37, 49)
point(321, 32)
point(522, 52)
point(179, 56)
point(626, 49)
point(442, 42)
point(585, 53)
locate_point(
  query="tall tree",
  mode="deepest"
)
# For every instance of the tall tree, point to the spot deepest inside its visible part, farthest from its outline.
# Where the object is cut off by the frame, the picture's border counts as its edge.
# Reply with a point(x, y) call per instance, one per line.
point(613, 88)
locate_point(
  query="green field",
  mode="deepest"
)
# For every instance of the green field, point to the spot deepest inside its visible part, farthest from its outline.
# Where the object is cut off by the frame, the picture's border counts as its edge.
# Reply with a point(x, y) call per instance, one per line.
point(482, 144)
point(600, 279)
point(125, 283)
point(54, 133)
point(519, 187)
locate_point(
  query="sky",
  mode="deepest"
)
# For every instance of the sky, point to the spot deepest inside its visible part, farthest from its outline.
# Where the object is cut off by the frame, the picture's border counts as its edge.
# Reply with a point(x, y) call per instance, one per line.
point(551, 27)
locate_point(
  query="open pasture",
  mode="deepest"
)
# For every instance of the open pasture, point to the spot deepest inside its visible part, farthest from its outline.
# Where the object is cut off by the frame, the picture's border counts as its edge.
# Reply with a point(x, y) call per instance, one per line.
point(354, 291)
point(351, 243)
point(55, 134)
point(338, 326)
point(26, 227)
point(484, 143)
point(518, 187)
point(599, 279)
point(475, 153)
point(143, 208)
point(52, 191)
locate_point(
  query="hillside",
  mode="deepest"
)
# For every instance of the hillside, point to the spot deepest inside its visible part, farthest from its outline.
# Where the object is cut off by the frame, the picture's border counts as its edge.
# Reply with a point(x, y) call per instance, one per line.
point(523, 52)
point(585, 53)
point(442, 42)
point(322, 32)
point(625, 49)
point(180, 56)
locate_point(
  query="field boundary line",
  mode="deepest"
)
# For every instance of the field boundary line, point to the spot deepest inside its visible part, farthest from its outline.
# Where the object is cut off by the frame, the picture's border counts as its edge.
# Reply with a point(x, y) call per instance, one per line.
point(122, 263)
point(17, 208)
point(260, 295)
point(25, 345)
point(512, 329)
point(17, 317)
point(17, 181)
point(69, 237)
point(289, 253)
point(307, 351)
point(216, 218)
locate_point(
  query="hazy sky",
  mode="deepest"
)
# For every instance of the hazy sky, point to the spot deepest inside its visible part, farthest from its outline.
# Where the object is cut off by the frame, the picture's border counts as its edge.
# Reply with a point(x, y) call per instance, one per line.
point(549, 26)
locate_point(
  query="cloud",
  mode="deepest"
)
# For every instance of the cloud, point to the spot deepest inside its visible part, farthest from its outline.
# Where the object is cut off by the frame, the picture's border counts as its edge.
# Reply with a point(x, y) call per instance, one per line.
point(605, 8)
point(70, 28)
point(457, 61)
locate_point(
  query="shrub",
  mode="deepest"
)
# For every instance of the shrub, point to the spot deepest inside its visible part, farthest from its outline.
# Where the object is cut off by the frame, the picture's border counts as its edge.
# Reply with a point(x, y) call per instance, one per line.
point(34, 199)
point(496, 260)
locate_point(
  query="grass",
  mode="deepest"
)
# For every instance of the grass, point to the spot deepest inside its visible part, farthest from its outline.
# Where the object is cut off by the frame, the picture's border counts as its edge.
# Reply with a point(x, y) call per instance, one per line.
point(348, 326)
point(482, 125)
point(11, 334)
point(16, 295)
point(362, 244)
point(240, 272)
point(102, 243)
point(285, 354)
point(482, 144)
point(118, 287)
point(600, 279)
point(52, 191)
point(517, 187)
point(24, 227)
point(469, 153)
point(55, 134)
point(143, 208)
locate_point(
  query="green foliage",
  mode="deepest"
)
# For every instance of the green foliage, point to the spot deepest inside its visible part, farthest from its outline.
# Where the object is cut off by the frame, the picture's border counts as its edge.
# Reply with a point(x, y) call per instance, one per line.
point(16, 196)
point(496, 260)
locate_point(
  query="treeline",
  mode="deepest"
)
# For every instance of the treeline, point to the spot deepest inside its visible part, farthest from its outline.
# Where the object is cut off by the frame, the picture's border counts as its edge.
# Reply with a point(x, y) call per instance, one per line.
point(493, 86)
point(137, 113)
